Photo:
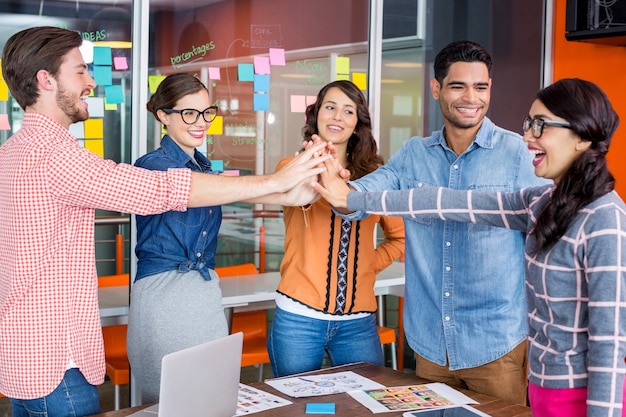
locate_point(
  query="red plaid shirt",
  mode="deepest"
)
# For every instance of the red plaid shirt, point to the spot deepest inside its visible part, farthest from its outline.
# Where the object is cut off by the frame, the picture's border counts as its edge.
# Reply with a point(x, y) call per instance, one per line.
point(49, 189)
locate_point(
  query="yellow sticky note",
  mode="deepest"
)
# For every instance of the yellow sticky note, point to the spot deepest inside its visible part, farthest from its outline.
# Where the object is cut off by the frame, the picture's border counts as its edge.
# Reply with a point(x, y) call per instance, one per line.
point(217, 126)
point(342, 64)
point(4, 91)
point(109, 106)
point(94, 129)
point(154, 81)
point(360, 80)
point(342, 77)
point(96, 146)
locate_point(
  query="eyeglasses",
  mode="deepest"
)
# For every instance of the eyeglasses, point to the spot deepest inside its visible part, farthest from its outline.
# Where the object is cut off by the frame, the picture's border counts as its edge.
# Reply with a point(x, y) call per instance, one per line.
point(537, 125)
point(191, 116)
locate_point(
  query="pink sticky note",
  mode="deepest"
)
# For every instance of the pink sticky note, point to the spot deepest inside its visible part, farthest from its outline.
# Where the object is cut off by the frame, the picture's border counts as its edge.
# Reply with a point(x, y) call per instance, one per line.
point(277, 56)
point(120, 63)
point(298, 104)
point(214, 73)
point(310, 100)
point(4, 122)
point(261, 65)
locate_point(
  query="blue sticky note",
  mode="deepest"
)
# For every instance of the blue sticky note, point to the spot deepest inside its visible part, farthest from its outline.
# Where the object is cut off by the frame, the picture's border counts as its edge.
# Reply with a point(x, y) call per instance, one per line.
point(102, 55)
point(102, 74)
point(261, 102)
point(245, 72)
point(217, 165)
point(261, 83)
point(320, 408)
point(114, 94)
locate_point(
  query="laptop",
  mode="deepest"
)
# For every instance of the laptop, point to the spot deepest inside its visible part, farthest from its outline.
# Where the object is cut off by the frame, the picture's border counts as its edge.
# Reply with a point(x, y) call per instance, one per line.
point(201, 381)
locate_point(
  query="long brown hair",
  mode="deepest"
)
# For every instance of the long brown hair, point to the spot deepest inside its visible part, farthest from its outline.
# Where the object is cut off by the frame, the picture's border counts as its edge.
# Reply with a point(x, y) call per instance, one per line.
point(362, 151)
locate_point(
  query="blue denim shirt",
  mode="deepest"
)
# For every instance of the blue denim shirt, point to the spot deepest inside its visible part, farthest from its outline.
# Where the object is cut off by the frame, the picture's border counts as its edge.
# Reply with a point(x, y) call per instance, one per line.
point(175, 240)
point(464, 293)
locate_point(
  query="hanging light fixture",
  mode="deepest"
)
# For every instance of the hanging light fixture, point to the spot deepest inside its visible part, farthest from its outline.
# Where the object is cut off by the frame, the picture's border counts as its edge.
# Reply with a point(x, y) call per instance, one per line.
point(111, 26)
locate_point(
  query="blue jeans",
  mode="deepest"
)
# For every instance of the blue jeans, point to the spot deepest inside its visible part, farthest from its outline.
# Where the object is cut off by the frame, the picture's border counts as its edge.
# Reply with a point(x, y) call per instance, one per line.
point(298, 344)
point(74, 397)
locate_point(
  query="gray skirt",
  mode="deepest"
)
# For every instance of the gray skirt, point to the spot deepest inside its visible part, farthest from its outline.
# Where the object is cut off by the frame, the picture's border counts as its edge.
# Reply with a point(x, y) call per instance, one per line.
point(169, 312)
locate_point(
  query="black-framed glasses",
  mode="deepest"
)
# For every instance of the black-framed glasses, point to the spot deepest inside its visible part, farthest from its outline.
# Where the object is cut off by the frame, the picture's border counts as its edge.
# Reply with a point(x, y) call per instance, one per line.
point(191, 116)
point(537, 125)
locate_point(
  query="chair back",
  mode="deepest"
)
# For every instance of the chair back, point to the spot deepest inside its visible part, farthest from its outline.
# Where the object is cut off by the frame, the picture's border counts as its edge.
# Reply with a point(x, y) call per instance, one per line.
point(253, 324)
point(234, 270)
point(113, 280)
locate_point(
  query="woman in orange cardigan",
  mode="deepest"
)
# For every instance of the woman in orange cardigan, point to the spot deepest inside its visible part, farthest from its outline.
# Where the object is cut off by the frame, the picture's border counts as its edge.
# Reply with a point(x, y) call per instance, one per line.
point(325, 302)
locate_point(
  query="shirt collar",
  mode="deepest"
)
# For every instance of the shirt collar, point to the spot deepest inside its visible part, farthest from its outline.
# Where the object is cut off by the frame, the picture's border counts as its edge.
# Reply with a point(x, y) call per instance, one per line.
point(171, 149)
point(484, 136)
point(54, 128)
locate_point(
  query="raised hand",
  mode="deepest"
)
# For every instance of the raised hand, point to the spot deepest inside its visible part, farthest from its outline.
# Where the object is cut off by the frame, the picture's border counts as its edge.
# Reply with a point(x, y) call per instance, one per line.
point(306, 165)
point(332, 187)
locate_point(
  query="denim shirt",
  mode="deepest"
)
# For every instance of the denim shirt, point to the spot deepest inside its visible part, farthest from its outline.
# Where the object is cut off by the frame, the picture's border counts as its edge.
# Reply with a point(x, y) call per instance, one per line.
point(175, 240)
point(464, 291)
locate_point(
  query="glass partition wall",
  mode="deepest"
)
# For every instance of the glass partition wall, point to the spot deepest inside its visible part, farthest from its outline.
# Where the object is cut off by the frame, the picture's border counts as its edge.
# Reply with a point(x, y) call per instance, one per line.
point(262, 67)
point(264, 61)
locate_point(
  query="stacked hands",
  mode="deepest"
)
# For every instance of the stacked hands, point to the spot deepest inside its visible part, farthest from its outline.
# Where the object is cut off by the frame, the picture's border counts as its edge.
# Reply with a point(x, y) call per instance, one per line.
point(330, 183)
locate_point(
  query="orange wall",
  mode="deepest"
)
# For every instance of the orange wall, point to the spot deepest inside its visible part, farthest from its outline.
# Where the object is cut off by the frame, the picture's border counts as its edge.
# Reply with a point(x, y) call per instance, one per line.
point(603, 64)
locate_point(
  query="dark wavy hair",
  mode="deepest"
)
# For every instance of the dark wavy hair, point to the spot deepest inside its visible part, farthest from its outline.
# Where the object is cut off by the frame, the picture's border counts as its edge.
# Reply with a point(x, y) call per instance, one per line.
point(173, 88)
point(592, 117)
point(362, 151)
point(460, 51)
point(31, 50)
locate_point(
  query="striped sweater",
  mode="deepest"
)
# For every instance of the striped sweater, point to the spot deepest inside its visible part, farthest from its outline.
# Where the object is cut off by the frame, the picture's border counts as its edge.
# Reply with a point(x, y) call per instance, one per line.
point(576, 290)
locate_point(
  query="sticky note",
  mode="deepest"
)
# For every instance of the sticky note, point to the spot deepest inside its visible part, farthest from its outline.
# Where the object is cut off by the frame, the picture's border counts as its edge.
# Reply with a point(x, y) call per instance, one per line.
point(102, 55)
point(95, 146)
point(217, 165)
point(216, 127)
point(261, 102)
point(320, 408)
point(95, 106)
point(120, 63)
point(154, 81)
point(4, 91)
point(277, 56)
point(245, 72)
point(94, 129)
point(261, 65)
point(261, 83)
point(214, 73)
point(102, 74)
point(298, 104)
point(114, 94)
point(360, 79)
point(4, 122)
point(343, 65)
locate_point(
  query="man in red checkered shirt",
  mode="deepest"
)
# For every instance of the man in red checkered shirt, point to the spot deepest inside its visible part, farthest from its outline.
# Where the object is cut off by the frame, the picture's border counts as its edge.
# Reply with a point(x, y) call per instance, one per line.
point(51, 350)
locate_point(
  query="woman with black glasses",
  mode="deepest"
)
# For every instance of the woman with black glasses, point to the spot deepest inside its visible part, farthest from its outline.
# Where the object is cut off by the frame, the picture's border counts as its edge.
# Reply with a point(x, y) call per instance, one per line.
point(176, 300)
point(575, 250)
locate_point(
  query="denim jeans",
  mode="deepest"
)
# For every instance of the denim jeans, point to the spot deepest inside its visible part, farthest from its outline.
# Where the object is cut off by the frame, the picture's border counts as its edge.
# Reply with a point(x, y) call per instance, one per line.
point(74, 397)
point(298, 344)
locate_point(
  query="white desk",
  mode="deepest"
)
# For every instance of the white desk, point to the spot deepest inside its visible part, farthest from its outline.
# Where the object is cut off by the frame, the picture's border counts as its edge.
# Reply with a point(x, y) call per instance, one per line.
point(241, 293)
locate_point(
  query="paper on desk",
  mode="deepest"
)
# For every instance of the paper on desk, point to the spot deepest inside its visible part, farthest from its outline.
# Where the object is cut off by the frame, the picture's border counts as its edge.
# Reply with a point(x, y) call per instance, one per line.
point(252, 400)
point(410, 397)
point(314, 385)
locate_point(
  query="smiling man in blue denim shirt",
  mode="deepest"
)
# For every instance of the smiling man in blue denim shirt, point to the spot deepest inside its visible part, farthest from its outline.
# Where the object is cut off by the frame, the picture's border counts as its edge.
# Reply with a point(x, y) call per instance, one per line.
point(465, 312)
